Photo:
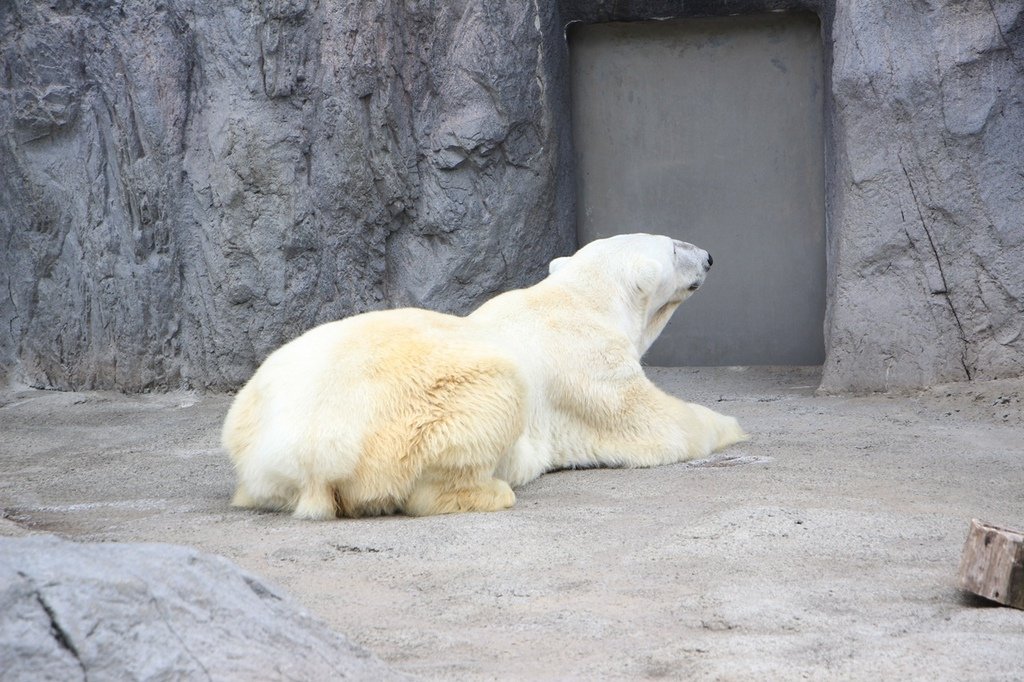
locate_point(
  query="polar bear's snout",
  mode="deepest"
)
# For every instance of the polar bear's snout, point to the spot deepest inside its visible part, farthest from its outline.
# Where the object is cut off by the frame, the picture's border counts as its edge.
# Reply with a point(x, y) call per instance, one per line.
point(692, 264)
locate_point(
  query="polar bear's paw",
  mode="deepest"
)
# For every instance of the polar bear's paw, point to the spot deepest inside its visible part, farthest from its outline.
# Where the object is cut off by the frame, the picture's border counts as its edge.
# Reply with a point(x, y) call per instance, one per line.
point(242, 499)
point(316, 502)
point(729, 433)
point(436, 497)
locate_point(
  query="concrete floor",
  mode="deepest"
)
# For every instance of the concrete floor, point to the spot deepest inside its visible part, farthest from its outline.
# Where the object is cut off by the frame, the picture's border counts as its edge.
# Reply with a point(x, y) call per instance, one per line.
point(824, 548)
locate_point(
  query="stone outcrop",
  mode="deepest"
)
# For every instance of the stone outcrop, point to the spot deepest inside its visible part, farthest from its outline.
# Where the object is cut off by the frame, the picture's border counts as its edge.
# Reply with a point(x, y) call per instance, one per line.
point(927, 196)
point(185, 185)
point(112, 611)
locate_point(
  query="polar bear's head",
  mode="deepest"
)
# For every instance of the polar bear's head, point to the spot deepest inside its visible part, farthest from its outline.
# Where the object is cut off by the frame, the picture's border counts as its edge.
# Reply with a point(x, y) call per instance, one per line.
point(653, 274)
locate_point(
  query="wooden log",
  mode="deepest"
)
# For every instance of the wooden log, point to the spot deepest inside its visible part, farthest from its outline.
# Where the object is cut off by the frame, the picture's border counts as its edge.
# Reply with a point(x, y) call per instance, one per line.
point(993, 564)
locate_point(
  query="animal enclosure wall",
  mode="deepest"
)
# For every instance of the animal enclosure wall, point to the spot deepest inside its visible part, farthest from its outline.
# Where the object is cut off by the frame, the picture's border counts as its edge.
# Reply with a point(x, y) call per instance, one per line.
point(710, 130)
point(186, 185)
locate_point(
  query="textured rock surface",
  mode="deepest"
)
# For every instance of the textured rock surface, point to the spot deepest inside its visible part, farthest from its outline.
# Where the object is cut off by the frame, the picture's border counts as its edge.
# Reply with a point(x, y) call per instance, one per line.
point(927, 217)
point(72, 611)
point(183, 187)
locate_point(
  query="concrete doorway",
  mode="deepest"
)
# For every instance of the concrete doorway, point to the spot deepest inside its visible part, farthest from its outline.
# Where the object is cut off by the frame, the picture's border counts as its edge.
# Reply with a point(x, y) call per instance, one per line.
point(710, 130)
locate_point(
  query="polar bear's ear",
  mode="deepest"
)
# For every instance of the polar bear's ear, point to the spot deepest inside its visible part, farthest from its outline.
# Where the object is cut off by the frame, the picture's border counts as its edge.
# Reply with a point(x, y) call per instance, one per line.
point(645, 274)
point(557, 264)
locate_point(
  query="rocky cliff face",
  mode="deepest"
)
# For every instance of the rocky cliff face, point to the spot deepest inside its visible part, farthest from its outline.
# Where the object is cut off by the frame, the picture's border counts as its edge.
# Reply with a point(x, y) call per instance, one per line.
point(186, 185)
point(927, 215)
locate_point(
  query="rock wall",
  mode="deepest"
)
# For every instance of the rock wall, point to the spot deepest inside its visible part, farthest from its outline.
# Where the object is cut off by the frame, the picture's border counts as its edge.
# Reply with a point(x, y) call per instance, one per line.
point(184, 186)
point(927, 215)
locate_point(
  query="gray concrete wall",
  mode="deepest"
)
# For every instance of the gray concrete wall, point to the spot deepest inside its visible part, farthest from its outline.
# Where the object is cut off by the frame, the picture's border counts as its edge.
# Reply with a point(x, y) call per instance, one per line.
point(710, 130)
point(185, 185)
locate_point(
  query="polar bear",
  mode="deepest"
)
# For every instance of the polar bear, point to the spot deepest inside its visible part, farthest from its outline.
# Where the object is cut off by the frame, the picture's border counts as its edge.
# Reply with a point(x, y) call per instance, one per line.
point(423, 413)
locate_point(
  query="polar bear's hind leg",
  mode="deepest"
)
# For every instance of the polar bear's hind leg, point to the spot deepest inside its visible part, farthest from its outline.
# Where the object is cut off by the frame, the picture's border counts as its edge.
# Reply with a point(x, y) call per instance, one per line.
point(442, 495)
point(316, 501)
point(240, 436)
point(471, 418)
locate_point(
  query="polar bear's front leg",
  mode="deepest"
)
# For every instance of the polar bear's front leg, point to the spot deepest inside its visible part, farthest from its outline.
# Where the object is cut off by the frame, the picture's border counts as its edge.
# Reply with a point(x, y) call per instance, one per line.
point(641, 426)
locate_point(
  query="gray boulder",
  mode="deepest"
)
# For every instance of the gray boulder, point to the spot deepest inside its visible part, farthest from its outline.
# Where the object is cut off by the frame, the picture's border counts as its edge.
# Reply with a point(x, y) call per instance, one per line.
point(72, 611)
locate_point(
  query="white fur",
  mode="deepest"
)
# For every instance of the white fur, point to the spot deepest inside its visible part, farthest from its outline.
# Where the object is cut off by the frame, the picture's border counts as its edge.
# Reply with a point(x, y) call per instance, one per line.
point(414, 411)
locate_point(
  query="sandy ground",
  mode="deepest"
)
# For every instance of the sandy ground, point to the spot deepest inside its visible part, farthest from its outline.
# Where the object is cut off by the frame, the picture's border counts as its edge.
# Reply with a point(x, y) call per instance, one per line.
point(825, 548)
